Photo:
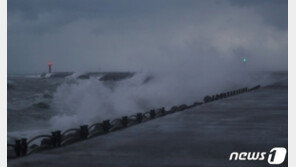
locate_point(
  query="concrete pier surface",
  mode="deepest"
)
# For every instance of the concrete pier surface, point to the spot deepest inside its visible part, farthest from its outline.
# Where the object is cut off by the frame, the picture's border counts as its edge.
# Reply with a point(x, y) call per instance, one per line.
point(202, 136)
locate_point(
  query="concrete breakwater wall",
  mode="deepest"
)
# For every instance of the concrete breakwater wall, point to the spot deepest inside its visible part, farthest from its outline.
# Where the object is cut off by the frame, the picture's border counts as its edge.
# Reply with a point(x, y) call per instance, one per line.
point(23, 147)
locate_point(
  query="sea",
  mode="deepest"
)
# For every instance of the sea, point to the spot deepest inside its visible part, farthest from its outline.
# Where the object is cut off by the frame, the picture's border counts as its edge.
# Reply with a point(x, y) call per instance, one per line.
point(40, 103)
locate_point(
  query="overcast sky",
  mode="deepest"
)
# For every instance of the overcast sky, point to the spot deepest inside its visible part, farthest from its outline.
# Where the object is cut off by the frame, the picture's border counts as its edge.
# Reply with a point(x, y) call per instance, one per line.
point(138, 35)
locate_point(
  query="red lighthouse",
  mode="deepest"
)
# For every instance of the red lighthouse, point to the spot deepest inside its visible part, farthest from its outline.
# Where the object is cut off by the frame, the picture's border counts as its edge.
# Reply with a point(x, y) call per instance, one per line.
point(49, 67)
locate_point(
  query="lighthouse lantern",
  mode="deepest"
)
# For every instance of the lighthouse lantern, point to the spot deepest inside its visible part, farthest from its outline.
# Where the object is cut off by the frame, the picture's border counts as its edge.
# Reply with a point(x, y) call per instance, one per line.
point(49, 67)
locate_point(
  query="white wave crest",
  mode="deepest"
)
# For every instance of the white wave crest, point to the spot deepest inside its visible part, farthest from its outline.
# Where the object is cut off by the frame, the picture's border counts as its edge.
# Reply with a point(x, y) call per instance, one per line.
point(88, 101)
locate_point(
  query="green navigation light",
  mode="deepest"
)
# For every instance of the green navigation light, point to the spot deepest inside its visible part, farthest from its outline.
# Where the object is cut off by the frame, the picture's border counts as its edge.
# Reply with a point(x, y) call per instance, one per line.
point(244, 60)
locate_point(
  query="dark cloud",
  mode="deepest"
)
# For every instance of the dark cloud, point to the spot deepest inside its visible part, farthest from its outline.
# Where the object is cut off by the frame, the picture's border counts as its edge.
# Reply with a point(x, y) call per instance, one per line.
point(133, 35)
point(273, 12)
point(244, 3)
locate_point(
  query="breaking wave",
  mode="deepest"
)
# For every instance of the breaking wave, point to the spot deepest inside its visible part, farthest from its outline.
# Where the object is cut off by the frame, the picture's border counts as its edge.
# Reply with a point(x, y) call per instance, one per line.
point(80, 102)
point(84, 98)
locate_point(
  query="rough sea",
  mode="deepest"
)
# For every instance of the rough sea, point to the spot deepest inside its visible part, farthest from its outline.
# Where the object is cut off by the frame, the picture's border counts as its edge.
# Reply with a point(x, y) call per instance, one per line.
point(41, 103)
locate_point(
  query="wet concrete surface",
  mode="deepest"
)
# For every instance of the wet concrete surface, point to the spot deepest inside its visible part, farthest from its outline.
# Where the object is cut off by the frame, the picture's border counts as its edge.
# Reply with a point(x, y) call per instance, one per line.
point(202, 136)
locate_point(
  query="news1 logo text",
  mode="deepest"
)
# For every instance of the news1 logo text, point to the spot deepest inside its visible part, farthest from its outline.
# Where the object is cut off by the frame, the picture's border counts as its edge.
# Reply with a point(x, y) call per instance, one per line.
point(275, 156)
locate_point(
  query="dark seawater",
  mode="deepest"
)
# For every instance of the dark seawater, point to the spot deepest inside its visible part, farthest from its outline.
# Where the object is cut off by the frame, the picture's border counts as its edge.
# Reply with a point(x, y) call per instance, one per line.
point(30, 98)
point(38, 104)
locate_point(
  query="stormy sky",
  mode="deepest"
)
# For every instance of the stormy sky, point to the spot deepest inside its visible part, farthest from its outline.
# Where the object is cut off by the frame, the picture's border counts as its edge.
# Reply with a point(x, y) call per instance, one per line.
point(138, 35)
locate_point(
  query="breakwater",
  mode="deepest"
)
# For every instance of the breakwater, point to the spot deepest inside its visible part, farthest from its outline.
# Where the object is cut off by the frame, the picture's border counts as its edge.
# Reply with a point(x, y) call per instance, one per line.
point(23, 147)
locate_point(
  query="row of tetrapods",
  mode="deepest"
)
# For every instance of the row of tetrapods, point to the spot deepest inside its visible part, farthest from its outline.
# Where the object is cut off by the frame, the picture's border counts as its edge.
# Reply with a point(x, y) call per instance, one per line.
point(24, 147)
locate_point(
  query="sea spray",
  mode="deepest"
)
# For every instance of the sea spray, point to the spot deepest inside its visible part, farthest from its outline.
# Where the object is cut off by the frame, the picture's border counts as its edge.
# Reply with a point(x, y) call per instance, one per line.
point(88, 101)
point(75, 101)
